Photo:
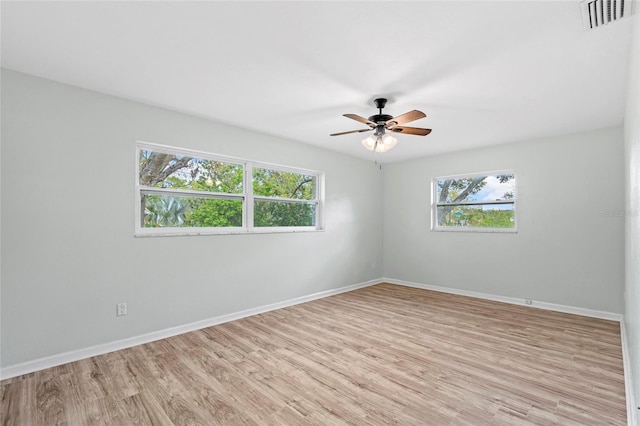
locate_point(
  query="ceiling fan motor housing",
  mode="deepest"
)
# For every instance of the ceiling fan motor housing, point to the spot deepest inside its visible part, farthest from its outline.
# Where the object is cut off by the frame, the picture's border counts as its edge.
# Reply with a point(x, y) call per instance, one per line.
point(380, 118)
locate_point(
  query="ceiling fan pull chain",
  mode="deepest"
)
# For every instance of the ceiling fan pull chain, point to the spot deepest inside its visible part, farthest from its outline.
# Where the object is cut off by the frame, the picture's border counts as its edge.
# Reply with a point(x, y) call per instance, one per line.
point(375, 157)
point(375, 153)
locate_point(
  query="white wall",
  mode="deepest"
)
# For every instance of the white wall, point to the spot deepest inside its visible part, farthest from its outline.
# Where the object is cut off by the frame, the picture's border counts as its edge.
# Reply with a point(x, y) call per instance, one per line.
point(632, 210)
point(567, 251)
point(68, 250)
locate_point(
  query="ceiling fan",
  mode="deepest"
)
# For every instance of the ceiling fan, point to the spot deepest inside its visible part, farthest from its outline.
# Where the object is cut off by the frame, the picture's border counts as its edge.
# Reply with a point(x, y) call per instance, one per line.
point(381, 141)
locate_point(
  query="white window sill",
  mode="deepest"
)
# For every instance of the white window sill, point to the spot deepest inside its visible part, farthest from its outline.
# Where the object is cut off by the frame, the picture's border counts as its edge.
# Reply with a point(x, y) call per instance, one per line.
point(476, 230)
point(238, 231)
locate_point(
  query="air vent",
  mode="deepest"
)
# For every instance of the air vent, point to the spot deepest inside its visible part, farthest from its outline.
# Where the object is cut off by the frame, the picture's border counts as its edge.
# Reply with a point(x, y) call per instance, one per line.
point(598, 13)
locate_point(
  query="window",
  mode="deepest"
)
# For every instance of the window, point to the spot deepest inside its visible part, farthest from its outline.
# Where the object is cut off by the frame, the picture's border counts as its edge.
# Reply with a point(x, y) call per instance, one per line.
point(484, 202)
point(283, 198)
point(183, 192)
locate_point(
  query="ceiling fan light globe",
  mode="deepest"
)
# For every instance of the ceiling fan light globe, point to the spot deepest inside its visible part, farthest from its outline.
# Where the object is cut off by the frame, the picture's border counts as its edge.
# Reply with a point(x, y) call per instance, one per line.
point(385, 143)
point(389, 140)
point(369, 142)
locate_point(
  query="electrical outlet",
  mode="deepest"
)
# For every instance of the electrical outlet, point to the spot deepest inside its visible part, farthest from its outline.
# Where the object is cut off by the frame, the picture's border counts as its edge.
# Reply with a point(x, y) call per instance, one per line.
point(121, 309)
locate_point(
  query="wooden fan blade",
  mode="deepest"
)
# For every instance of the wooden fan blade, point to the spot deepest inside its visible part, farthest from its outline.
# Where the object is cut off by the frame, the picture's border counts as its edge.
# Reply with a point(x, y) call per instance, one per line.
point(350, 131)
point(405, 118)
point(411, 130)
point(360, 119)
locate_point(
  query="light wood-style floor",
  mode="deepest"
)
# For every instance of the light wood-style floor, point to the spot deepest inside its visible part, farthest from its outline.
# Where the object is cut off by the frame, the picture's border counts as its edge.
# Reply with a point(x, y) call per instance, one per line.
point(380, 355)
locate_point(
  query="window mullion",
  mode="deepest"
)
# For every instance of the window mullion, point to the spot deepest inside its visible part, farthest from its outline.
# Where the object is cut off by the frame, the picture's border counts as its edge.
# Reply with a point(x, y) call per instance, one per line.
point(187, 193)
point(475, 203)
point(284, 200)
point(248, 189)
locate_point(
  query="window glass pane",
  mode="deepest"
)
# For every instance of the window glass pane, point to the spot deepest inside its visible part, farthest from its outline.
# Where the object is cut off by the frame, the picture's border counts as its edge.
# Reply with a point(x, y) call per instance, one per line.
point(282, 213)
point(162, 211)
point(275, 183)
point(477, 188)
point(477, 216)
point(161, 170)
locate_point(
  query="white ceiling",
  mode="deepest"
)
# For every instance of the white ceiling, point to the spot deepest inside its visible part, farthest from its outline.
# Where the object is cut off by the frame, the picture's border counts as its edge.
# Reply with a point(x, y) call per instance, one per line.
point(484, 72)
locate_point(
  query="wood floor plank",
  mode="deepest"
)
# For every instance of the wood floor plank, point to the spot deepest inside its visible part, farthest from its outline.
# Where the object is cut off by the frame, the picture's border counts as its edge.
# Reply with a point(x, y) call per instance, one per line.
point(380, 355)
point(50, 398)
point(143, 409)
point(18, 402)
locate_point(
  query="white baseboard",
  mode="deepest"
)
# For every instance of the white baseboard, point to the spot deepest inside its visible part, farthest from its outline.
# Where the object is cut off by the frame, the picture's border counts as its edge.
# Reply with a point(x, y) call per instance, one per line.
point(64, 358)
point(512, 300)
point(628, 378)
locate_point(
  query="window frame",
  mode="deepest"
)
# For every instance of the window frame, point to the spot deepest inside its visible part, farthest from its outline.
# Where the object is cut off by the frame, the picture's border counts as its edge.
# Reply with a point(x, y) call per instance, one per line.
point(286, 169)
point(473, 229)
point(247, 196)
